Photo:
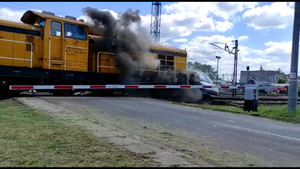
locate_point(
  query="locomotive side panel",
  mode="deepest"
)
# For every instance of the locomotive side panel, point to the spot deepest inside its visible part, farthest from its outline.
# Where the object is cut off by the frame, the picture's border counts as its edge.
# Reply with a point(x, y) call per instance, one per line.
point(19, 46)
point(6, 48)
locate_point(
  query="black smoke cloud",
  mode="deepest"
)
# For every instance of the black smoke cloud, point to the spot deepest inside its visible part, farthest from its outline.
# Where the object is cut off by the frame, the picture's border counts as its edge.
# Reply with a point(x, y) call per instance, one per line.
point(130, 44)
point(131, 48)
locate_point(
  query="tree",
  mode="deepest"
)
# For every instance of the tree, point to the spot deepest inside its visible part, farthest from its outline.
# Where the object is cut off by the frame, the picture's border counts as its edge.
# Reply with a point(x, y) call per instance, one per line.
point(279, 70)
point(208, 69)
point(282, 81)
point(261, 68)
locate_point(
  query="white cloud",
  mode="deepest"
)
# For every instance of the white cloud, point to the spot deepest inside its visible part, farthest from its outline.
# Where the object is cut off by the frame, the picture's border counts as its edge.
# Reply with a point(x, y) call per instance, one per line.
point(145, 21)
point(228, 9)
point(184, 18)
point(13, 15)
point(85, 18)
point(223, 26)
point(276, 15)
point(163, 42)
point(205, 24)
point(291, 4)
point(181, 40)
point(243, 38)
point(220, 9)
point(10, 15)
point(37, 10)
point(278, 49)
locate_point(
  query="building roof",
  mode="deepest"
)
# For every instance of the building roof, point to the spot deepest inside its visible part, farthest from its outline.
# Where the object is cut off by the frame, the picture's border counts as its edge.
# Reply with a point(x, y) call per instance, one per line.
point(170, 49)
point(264, 71)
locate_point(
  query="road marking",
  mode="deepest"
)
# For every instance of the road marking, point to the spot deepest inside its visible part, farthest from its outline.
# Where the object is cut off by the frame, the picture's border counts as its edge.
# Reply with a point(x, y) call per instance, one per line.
point(231, 121)
point(261, 132)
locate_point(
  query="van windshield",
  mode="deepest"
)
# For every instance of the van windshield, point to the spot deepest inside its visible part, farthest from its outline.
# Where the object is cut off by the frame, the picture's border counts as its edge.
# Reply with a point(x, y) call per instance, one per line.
point(204, 78)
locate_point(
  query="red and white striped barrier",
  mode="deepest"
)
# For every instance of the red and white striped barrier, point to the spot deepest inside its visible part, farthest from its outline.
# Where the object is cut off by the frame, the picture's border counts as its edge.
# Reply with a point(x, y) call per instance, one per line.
point(54, 87)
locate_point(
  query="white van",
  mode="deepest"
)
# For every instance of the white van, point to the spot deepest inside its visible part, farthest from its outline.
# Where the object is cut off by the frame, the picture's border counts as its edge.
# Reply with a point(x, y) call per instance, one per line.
point(199, 78)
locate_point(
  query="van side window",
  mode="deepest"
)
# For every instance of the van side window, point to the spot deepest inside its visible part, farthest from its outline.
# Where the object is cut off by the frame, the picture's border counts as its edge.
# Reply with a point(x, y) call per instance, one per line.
point(55, 28)
point(75, 32)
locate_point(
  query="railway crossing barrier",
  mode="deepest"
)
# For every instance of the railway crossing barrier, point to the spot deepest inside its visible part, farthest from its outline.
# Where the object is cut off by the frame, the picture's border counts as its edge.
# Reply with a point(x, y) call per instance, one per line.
point(113, 86)
point(250, 95)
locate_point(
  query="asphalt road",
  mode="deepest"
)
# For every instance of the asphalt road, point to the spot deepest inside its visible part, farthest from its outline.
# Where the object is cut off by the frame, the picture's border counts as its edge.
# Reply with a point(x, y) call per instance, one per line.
point(274, 140)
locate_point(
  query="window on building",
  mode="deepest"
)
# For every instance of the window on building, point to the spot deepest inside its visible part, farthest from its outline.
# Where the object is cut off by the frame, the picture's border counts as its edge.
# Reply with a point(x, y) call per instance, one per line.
point(75, 32)
point(55, 28)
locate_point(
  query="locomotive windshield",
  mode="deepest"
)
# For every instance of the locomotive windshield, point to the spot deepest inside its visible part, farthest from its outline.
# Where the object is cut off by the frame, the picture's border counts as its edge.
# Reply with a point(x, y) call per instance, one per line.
point(75, 32)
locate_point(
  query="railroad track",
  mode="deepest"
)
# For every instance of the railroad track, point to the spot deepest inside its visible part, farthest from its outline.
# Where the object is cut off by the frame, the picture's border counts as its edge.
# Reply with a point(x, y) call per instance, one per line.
point(262, 99)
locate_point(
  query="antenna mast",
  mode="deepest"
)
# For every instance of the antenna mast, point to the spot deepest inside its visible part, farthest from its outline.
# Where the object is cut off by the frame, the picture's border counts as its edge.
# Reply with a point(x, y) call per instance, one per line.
point(155, 21)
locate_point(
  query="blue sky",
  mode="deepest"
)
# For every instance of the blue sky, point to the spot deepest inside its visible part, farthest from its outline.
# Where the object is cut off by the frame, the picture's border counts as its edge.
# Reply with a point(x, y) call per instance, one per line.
point(264, 29)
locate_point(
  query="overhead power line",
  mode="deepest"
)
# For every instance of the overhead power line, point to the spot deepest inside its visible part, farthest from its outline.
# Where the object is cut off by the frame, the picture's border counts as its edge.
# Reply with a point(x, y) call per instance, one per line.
point(27, 7)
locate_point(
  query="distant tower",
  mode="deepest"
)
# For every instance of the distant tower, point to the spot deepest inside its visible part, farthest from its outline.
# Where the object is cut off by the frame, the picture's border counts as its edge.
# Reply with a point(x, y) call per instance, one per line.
point(155, 21)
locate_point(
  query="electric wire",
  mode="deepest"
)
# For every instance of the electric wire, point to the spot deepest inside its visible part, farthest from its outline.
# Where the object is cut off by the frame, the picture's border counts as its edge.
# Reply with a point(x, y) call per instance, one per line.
point(24, 7)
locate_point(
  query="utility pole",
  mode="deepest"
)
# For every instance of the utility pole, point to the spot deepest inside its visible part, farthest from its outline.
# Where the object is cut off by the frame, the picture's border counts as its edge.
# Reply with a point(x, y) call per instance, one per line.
point(293, 82)
point(235, 53)
point(235, 62)
point(155, 21)
point(218, 57)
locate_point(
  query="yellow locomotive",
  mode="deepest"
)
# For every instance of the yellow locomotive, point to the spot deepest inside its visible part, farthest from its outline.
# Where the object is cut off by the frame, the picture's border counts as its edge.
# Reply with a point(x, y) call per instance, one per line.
point(47, 49)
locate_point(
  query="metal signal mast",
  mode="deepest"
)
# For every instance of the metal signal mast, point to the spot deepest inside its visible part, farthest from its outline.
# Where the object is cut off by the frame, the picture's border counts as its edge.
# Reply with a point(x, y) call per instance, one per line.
point(155, 21)
point(233, 51)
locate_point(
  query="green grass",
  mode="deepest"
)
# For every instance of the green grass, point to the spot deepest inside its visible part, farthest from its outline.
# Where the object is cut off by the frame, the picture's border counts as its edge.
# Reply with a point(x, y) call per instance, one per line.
point(276, 112)
point(29, 138)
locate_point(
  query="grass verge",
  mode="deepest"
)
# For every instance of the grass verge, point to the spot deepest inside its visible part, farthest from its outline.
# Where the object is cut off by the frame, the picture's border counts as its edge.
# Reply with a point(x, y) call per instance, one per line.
point(276, 112)
point(29, 138)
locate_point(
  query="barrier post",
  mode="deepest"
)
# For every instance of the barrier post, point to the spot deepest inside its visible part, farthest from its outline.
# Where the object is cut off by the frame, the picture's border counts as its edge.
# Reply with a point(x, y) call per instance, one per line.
point(251, 99)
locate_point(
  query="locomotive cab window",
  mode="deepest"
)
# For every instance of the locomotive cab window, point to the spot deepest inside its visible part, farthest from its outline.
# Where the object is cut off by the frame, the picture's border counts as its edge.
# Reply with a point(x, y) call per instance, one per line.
point(75, 32)
point(42, 24)
point(55, 28)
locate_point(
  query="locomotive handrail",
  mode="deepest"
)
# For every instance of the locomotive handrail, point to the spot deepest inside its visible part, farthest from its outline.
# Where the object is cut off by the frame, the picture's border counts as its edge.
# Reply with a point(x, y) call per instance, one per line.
point(98, 61)
point(98, 55)
point(31, 50)
point(75, 47)
point(49, 57)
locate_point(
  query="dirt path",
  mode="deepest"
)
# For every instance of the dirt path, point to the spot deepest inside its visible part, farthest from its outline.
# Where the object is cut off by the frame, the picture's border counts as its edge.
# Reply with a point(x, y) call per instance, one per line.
point(169, 147)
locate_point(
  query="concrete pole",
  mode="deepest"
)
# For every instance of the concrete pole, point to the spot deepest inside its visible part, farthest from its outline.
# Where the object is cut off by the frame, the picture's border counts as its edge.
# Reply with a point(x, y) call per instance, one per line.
point(293, 86)
point(235, 63)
